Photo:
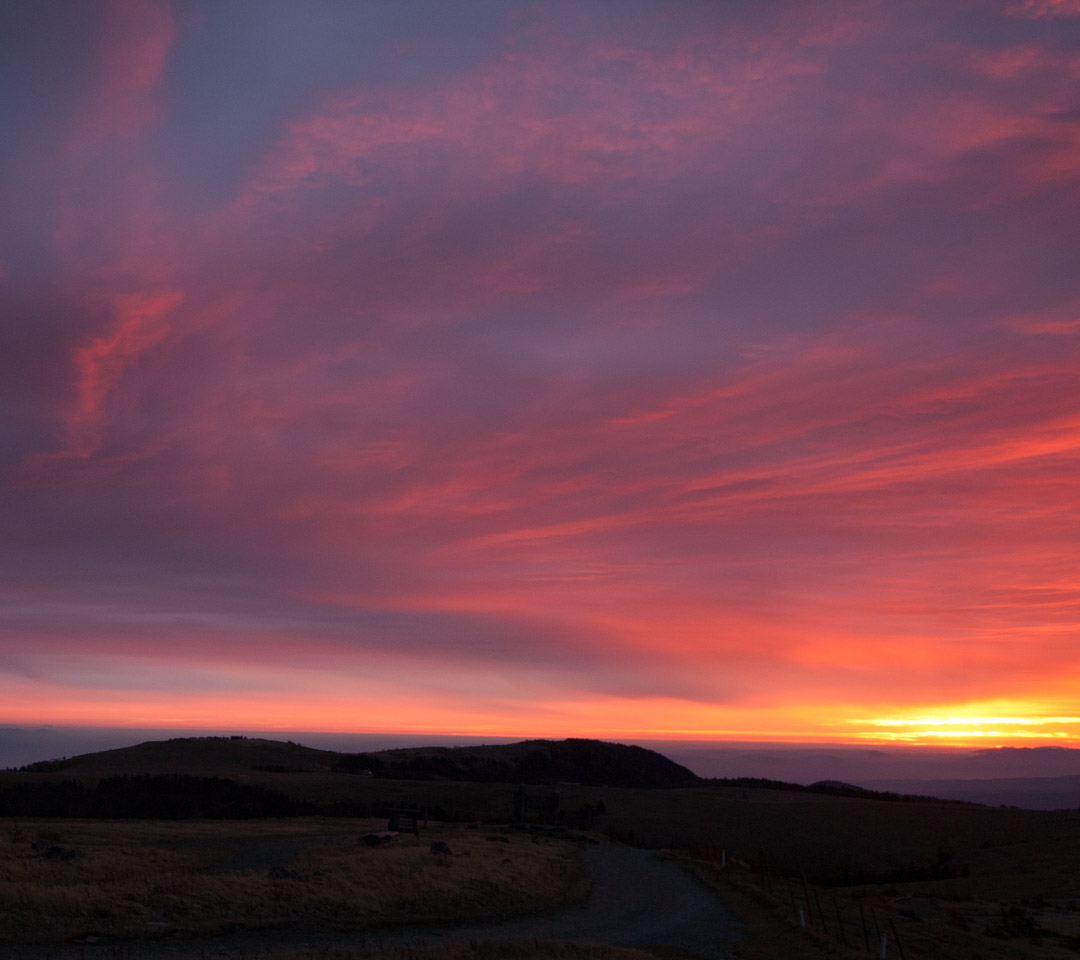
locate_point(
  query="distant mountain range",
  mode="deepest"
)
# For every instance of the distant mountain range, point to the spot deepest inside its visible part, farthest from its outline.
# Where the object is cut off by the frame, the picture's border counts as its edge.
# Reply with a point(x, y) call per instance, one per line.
point(1029, 793)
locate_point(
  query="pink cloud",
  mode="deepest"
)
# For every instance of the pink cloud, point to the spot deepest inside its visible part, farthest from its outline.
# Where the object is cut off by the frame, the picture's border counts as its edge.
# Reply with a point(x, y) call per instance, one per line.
point(1038, 9)
point(121, 101)
point(1054, 325)
point(140, 325)
point(573, 111)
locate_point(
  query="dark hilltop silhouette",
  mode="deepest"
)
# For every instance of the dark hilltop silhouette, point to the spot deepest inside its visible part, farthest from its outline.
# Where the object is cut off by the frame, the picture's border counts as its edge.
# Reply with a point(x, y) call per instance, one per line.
point(579, 761)
point(227, 777)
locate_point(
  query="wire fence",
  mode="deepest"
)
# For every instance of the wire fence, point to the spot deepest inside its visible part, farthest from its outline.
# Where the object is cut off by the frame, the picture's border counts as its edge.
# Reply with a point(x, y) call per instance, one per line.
point(874, 930)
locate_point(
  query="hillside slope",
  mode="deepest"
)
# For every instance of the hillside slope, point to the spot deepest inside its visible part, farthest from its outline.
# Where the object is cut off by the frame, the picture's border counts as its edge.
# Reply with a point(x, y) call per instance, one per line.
point(194, 756)
point(587, 762)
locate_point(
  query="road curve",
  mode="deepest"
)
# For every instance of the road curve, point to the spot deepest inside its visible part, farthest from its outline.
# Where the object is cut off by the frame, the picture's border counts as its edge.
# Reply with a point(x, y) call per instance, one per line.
point(638, 900)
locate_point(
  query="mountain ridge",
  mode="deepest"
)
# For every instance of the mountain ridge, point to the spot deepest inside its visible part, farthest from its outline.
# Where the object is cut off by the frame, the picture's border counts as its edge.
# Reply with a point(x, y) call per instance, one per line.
point(574, 760)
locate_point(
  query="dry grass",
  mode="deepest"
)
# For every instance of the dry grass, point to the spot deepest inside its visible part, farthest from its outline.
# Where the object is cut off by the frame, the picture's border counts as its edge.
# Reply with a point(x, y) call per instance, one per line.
point(486, 950)
point(929, 921)
point(1016, 892)
point(768, 933)
point(144, 878)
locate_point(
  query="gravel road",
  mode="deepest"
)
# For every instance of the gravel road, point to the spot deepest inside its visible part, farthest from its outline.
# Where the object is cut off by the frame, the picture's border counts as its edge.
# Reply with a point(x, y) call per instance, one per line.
point(638, 900)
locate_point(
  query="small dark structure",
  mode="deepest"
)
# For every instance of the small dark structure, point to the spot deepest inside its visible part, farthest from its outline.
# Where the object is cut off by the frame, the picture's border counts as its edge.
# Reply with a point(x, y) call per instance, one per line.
point(405, 820)
point(535, 807)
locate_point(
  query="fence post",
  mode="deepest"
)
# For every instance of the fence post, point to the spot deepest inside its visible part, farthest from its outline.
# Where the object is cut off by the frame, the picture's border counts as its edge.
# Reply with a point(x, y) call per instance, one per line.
point(865, 932)
point(896, 937)
point(839, 921)
point(882, 954)
point(821, 914)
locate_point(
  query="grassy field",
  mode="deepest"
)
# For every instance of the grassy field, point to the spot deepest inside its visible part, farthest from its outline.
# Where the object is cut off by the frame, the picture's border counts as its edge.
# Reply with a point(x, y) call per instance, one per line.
point(988, 853)
point(1009, 883)
point(64, 880)
point(512, 950)
point(917, 925)
point(827, 838)
point(944, 880)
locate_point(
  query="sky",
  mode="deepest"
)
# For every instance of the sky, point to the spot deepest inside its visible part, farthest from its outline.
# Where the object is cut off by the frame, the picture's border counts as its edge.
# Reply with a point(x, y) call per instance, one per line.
point(648, 370)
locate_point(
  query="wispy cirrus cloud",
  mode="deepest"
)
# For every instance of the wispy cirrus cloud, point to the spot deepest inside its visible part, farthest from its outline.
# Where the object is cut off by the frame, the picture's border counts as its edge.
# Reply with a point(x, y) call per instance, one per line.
point(1044, 8)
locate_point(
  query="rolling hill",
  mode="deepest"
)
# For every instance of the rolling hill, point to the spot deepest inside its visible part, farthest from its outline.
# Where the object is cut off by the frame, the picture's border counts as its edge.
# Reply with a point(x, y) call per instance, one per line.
point(193, 756)
point(577, 761)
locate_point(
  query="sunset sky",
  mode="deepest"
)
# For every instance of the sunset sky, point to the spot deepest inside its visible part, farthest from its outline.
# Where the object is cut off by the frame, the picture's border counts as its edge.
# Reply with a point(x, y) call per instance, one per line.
point(688, 370)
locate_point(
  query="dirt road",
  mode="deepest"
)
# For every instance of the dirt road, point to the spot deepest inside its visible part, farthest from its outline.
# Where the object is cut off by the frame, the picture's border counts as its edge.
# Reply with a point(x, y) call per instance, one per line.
point(639, 900)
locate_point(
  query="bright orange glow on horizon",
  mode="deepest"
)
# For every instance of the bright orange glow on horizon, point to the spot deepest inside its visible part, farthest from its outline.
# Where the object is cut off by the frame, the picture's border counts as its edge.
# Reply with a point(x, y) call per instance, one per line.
point(607, 718)
point(967, 728)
